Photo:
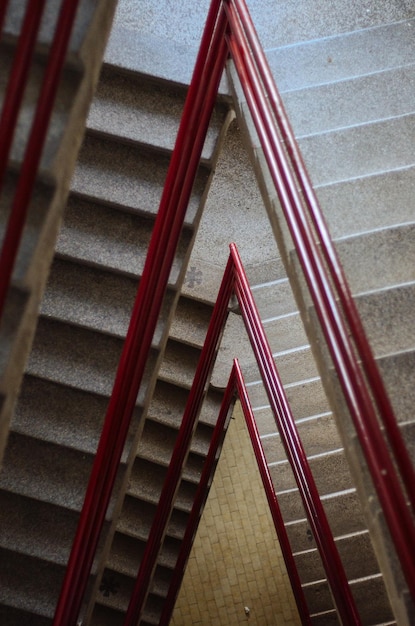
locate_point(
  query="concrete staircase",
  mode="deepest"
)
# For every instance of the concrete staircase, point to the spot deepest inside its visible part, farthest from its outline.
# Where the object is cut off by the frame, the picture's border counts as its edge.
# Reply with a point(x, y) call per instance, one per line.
point(350, 101)
point(99, 257)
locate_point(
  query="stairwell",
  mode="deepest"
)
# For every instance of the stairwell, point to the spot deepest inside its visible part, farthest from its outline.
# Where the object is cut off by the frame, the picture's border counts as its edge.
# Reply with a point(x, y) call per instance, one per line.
point(114, 195)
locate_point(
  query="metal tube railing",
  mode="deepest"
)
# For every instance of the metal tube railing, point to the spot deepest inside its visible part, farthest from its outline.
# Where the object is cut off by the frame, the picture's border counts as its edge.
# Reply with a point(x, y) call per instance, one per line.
point(40, 125)
point(357, 395)
point(180, 177)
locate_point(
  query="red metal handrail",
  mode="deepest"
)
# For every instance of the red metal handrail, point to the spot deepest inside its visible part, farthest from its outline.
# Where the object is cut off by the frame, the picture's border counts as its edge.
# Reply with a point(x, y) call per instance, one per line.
point(235, 279)
point(38, 130)
point(267, 117)
point(235, 384)
point(180, 177)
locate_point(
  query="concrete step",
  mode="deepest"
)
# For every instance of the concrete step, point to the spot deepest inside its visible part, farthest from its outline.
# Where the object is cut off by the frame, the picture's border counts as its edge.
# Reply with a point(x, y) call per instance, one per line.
point(359, 100)
point(137, 515)
point(179, 363)
point(101, 236)
point(352, 54)
point(318, 434)
point(373, 260)
point(369, 202)
point(370, 597)
point(356, 554)
point(330, 470)
point(27, 526)
point(292, 365)
point(94, 298)
point(397, 372)
point(29, 585)
point(380, 312)
point(146, 112)
point(147, 480)
point(306, 398)
point(274, 299)
point(127, 176)
point(66, 416)
point(343, 513)
point(359, 151)
point(190, 322)
point(44, 471)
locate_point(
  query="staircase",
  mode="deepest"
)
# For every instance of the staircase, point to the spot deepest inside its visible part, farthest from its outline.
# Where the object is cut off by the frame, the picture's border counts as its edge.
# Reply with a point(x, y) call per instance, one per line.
point(366, 194)
point(98, 260)
point(350, 101)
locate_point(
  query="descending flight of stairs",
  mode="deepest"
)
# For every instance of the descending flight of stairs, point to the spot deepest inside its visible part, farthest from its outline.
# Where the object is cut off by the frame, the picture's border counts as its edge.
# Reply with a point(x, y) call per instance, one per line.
point(350, 101)
point(98, 260)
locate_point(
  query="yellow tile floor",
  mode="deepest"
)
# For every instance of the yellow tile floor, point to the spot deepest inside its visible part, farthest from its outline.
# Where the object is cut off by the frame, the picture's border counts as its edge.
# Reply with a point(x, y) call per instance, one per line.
point(236, 560)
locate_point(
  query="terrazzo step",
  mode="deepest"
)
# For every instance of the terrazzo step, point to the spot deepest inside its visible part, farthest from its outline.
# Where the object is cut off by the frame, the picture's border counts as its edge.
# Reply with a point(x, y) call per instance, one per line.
point(335, 58)
point(356, 554)
point(330, 470)
point(274, 299)
point(292, 365)
point(369, 594)
point(145, 111)
point(98, 235)
point(397, 372)
point(28, 585)
point(179, 363)
point(68, 89)
point(318, 435)
point(190, 322)
point(351, 101)
point(95, 298)
point(137, 515)
point(373, 261)
point(66, 416)
point(125, 175)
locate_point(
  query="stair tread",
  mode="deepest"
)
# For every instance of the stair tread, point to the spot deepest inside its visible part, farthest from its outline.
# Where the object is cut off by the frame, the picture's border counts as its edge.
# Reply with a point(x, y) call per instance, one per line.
point(337, 57)
point(191, 321)
point(179, 363)
point(136, 518)
point(397, 372)
point(351, 102)
point(118, 240)
point(360, 151)
point(125, 176)
point(148, 113)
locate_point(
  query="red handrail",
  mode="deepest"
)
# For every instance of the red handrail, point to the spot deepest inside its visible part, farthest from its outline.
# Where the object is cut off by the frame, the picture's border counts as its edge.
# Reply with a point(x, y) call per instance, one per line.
point(358, 397)
point(235, 279)
point(180, 177)
point(235, 384)
point(38, 132)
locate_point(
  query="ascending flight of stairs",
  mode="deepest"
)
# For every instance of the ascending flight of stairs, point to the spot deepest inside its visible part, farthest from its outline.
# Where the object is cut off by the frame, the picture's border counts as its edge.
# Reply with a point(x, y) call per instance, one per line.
point(350, 101)
point(98, 261)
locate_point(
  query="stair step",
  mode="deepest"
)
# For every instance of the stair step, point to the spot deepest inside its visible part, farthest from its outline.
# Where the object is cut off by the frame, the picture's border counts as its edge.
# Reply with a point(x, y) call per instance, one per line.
point(331, 473)
point(94, 298)
point(343, 511)
point(369, 202)
point(318, 434)
point(17, 617)
point(306, 399)
point(14, 311)
point(382, 251)
point(126, 176)
point(387, 316)
point(118, 240)
point(397, 372)
point(356, 554)
point(358, 100)
point(137, 515)
point(29, 526)
point(292, 365)
point(29, 584)
point(148, 113)
point(65, 416)
point(338, 57)
point(126, 554)
point(147, 480)
point(191, 321)
point(46, 472)
point(369, 593)
point(179, 363)
point(274, 299)
point(360, 151)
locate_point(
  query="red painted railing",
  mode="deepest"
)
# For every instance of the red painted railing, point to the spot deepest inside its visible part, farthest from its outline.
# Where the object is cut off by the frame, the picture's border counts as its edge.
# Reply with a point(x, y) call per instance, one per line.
point(235, 280)
point(40, 124)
